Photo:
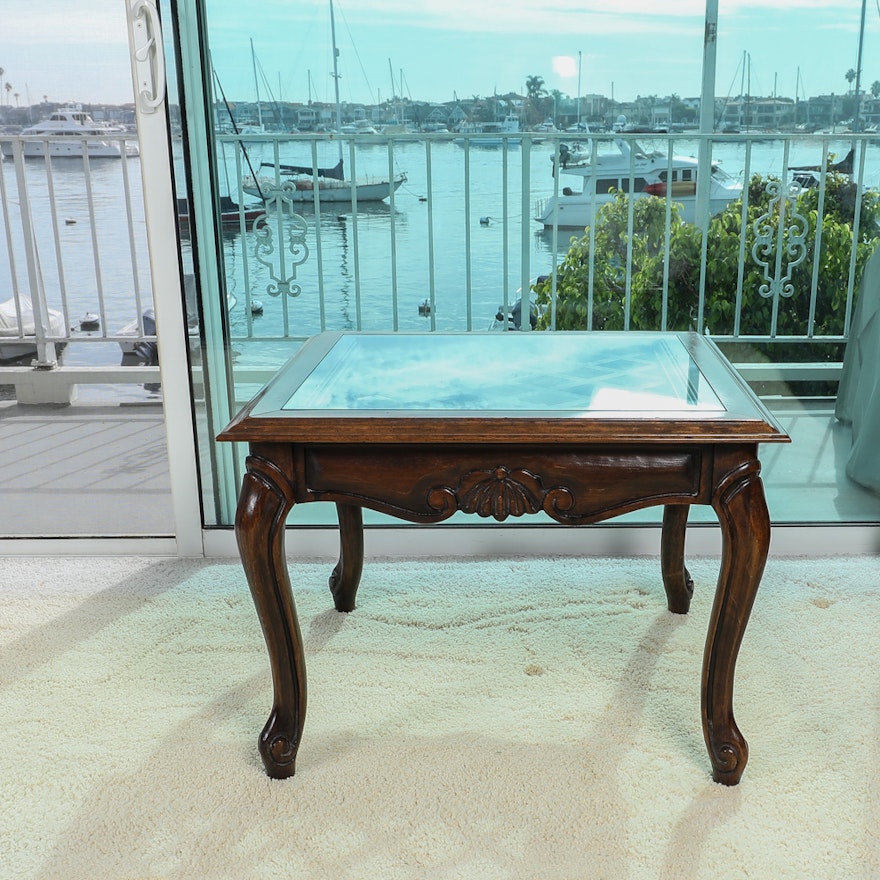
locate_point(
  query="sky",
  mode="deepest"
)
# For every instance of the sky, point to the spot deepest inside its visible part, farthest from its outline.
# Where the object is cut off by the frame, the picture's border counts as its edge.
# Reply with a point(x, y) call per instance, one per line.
point(442, 49)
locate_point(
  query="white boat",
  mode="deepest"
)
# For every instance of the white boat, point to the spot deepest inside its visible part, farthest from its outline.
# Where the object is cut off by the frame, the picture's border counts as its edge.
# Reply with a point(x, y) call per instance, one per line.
point(10, 328)
point(296, 183)
point(491, 134)
point(359, 126)
point(399, 132)
point(69, 131)
point(611, 173)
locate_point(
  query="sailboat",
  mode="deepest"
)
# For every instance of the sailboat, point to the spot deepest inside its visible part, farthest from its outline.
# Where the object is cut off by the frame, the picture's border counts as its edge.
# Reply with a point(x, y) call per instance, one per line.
point(306, 183)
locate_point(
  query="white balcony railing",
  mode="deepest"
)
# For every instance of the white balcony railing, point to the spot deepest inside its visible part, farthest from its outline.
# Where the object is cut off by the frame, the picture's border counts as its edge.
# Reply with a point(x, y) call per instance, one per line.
point(448, 250)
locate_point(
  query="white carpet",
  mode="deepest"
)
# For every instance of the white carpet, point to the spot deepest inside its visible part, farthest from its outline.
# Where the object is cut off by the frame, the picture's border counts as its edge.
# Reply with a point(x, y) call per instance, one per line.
point(503, 719)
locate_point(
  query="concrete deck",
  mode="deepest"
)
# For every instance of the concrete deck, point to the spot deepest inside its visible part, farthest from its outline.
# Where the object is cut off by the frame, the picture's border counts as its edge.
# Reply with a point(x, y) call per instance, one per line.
point(95, 469)
point(84, 470)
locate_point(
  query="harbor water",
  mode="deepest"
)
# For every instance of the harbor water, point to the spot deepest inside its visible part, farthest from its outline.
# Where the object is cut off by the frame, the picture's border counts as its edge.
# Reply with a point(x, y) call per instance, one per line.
point(440, 258)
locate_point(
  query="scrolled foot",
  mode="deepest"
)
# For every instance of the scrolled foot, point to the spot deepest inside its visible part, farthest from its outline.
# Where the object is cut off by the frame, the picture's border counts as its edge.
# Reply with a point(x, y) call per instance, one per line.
point(679, 592)
point(343, 596)
point(729, 759)
point(278, 748)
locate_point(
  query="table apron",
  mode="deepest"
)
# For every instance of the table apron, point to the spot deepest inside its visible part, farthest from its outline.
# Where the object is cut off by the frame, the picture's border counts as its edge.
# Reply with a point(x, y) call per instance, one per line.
point(573, 485)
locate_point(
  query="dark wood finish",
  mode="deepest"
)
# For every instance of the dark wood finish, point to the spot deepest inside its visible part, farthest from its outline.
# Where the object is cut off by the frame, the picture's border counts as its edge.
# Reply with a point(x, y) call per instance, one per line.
point(676, 578)
point(346, 575)
point(423, 467)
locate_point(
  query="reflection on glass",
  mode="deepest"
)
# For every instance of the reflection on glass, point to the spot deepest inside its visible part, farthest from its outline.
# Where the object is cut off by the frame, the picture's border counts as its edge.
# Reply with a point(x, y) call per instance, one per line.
point(507, 371)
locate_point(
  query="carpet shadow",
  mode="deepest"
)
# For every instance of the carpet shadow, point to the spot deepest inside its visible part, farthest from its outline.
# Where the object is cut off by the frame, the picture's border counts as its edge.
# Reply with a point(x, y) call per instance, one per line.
point(712, 808)
point(608, 738)
point(22, 656)
point(225, 819)
point(200, 805)
point(322, 630)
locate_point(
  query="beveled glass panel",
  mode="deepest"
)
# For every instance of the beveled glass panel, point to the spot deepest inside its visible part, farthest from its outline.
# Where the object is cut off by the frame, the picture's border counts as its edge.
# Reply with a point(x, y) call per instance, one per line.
point(507, 372)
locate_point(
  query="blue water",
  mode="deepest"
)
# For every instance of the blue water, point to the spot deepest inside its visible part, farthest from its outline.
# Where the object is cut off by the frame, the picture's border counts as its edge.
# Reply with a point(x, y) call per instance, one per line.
point(432, 232)
point(431, 229)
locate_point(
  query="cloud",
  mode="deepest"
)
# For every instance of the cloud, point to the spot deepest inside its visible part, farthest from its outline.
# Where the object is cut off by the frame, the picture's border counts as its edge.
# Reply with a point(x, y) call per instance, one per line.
point(40, 22)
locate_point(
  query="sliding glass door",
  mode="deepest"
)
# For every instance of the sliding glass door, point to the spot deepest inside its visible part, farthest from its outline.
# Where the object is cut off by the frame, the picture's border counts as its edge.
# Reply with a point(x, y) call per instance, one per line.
point(315, 191)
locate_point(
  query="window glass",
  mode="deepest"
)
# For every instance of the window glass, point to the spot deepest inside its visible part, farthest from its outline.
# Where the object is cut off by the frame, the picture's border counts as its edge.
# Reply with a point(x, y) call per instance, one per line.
point(457, 206)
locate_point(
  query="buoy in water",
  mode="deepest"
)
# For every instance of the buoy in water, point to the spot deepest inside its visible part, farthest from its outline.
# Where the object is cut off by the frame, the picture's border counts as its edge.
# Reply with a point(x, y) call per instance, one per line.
point(485, 221)
point(70, 222)
point(425, 308)
point(256, 307)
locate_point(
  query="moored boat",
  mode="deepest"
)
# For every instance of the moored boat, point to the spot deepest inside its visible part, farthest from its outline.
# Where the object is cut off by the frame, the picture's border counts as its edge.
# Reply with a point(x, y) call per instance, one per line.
point(630, 169)
point(491, 134)
point(70, 131)
point(231, 214)
point(14, 343)
point(299, 183)
point(296, 183)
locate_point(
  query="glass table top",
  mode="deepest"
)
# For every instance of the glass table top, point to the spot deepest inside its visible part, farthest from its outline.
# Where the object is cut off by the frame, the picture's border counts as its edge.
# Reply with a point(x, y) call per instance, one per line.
point(528, 372)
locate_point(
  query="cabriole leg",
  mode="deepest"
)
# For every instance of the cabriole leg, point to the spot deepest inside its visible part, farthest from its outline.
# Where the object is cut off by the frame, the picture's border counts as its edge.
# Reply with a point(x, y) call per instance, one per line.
point(266, 499)
point(745, 530)
point(346, 575)
point(676, 578)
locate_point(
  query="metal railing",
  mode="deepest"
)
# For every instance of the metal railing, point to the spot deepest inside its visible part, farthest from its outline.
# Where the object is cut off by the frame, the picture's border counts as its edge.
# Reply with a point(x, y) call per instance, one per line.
point(74, 247)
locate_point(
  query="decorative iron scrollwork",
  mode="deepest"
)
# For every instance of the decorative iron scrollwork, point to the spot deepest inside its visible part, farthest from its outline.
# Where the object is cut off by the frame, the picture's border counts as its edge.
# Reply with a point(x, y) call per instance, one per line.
point(281, 262)
point(500, 492)
point(780, 233)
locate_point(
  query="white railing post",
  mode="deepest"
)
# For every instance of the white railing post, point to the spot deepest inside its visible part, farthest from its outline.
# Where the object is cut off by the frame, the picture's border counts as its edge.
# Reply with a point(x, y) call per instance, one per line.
point(46, 357)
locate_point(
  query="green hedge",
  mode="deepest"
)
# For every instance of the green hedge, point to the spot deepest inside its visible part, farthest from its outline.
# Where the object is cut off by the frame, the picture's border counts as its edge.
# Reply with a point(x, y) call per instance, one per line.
point(722, 266)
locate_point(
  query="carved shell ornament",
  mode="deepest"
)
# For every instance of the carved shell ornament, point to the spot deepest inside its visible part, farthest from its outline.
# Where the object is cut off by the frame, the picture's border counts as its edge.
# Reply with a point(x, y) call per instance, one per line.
point(500, 492)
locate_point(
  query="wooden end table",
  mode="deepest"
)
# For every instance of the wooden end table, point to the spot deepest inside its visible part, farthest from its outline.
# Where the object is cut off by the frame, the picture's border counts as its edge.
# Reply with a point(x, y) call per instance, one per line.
point(581, 426)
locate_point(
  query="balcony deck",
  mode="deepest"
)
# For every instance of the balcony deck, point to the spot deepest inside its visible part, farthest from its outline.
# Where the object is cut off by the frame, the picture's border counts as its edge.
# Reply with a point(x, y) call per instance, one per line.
point(85, 469)
point(94, 469)
point(98, 469)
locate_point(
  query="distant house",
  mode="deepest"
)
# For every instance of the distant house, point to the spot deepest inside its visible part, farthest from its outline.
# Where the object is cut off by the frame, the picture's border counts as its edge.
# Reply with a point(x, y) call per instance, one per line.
point(307, 118)
point(437, 115)
point(759, 113)
point(457, 115)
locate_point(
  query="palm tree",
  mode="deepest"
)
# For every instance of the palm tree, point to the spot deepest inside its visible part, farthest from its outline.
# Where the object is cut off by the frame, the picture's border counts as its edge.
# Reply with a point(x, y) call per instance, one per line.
point(850, 76)
point(9, 87)
point(875, 88)
point(535, 87)
point(534, 92)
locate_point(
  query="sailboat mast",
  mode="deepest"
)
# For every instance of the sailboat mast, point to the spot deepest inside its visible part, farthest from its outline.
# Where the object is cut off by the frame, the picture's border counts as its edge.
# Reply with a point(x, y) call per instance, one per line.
point(742, 92)
point(256, 86)
point(393, 90)
point(336, 76)
point(856, 122)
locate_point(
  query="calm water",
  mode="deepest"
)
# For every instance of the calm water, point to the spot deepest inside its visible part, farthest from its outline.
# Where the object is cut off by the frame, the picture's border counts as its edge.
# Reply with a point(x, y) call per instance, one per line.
point(475, 265)
point(107, 259)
